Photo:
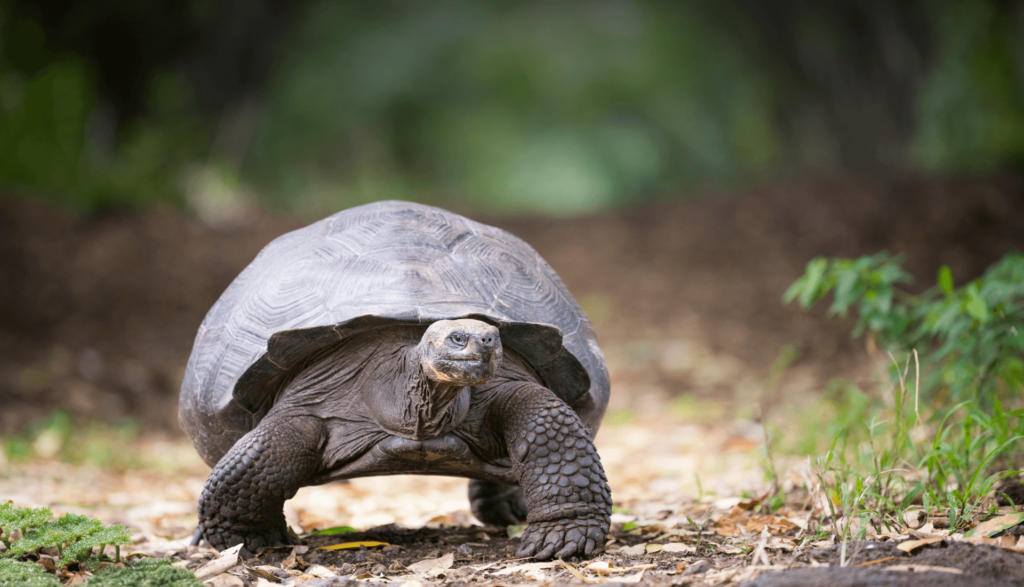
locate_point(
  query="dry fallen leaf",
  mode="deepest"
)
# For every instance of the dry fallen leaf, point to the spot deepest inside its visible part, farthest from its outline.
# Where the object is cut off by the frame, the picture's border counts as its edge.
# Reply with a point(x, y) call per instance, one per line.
point(433, 565)
point(531, 570)
point(760, 556)
point(290, 562)
point(915, 518)
point(224, 580)
point(653, 548)
point(630, 578)
point(270, 573)
point(776, 524)
point(996, 525)
point(575, 573)
point(909, 546)
point(678, 547)
point(320, 572)
point(635, 549)
point(782, 543)
point(1004, 542)
point(366, 543)
point(607, 568)
point(224, 561)
point(929, 530)
point(442, 519)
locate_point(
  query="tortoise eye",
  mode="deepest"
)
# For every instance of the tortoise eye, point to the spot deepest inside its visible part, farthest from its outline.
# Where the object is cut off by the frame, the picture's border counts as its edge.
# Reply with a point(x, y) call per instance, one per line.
point(458, 339)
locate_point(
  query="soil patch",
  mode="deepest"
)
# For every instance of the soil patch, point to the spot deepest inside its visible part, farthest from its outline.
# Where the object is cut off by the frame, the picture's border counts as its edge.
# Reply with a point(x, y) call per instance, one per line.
point(860, 577)
point(881, 563)
point(484, 555)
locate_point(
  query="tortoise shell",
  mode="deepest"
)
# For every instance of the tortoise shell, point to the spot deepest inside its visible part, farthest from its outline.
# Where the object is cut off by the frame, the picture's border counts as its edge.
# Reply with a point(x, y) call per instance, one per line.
point(370, 267)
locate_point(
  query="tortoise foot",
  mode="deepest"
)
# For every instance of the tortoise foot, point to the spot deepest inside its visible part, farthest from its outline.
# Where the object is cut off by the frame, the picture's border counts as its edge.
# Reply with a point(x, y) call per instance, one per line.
point(563, 538)
point(226, 537)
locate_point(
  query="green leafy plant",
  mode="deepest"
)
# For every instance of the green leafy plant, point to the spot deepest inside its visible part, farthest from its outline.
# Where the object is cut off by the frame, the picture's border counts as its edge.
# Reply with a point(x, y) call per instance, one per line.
point(18, 574)
point(700, 527)
point(73, 535)
point(147, 572)
point(20, 519)
point(960, 456)
point(968, 343)
point(971, 338)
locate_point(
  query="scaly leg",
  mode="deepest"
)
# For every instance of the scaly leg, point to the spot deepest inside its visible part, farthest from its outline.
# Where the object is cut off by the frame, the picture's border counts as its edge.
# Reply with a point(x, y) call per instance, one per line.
point(566, 491)
point(244, 496)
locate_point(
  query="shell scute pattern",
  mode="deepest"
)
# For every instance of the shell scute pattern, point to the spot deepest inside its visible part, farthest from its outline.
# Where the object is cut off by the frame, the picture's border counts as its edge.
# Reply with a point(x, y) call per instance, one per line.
point(390, 260)
point(517, 286)
point(401, 229)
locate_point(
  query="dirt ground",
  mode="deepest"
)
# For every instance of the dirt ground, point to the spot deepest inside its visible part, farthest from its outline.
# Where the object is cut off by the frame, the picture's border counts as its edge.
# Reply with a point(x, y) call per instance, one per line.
point(417, 531)
point(97, 317)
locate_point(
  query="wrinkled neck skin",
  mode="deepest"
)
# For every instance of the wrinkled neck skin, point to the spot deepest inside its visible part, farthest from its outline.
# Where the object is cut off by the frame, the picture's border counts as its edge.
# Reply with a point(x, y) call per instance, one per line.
point(406, 403)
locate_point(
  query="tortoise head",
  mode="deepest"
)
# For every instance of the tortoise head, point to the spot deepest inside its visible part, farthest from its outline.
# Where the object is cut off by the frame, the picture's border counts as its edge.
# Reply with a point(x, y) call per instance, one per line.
point(460, 352)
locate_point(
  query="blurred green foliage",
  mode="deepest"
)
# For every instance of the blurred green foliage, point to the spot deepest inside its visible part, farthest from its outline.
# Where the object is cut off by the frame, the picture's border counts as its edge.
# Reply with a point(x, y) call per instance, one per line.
point(51, 140)
point(503, 107)
point(59, 436)
point(972, 106)
point(551, 107)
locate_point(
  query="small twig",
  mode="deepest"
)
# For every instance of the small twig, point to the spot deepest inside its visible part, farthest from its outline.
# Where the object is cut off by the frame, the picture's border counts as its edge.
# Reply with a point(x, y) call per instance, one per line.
point(917, 384)
point(876, 561)
point(760, 555)
point(768, 452)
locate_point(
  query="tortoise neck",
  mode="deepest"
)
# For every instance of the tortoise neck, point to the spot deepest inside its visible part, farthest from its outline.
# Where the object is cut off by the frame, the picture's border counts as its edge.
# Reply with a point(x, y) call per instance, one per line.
point(411, 404)
point(426, 391)
point(432, 408)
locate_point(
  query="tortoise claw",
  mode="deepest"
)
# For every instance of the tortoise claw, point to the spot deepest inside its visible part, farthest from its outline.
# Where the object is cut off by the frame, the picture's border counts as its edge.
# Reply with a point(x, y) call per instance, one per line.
point(561, 539)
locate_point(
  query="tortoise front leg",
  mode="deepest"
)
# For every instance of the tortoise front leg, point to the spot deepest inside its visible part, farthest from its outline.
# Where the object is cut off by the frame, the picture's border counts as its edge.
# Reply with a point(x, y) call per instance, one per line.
point(567, 495)
point(243, 500)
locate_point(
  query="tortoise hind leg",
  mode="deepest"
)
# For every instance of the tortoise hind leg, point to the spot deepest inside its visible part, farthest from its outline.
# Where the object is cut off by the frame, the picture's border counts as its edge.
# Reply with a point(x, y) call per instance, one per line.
point(244, 496)
point(495, 504)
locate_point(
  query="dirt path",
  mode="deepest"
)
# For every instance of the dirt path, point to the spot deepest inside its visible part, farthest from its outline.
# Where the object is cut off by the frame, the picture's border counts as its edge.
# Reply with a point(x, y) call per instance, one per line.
point(653, 464)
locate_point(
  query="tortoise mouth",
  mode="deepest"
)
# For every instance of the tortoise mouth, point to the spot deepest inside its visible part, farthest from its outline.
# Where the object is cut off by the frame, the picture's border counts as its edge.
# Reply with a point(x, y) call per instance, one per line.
point(463, 371)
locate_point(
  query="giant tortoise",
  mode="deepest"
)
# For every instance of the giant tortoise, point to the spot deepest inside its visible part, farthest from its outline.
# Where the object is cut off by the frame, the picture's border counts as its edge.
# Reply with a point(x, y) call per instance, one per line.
point(398, 338)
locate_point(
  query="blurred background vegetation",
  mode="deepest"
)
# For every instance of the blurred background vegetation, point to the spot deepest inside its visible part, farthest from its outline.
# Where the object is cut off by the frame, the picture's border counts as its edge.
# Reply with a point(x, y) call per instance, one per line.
point(501, 107)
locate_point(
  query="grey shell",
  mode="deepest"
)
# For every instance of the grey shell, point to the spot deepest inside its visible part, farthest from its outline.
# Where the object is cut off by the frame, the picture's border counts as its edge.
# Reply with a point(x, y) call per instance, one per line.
point(370, 267)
